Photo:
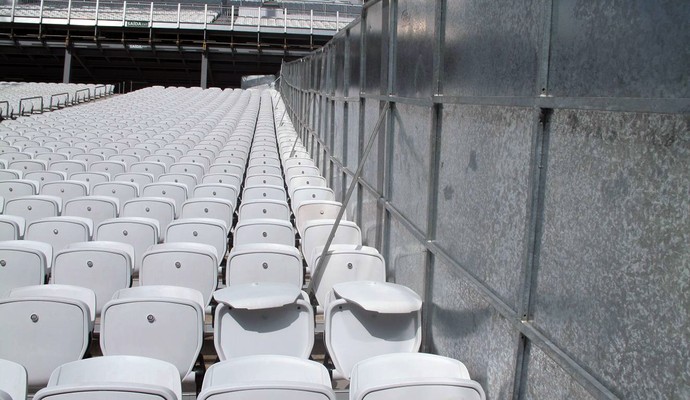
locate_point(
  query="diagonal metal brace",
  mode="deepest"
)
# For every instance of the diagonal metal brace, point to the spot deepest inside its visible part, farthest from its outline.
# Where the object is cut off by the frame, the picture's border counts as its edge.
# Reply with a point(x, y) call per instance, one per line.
point(319, 268)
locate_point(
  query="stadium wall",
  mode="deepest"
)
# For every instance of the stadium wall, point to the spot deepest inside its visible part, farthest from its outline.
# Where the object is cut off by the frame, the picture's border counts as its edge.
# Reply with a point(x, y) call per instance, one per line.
point(529, 178)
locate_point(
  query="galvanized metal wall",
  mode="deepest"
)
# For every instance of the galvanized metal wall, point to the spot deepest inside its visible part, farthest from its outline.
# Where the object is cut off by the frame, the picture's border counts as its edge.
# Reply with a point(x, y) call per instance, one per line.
point(531, 181)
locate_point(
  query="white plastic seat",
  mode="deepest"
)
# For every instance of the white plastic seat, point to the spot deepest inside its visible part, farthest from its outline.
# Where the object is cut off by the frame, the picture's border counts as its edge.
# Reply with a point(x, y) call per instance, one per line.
point(12, 227)
point(16, 188)
point(161, 209)
point(28, 165)
point(34, 207)
point(274, 209)
point(23, 263)
point(263, 318)
point(177, 192)
point(104, 151)
point(264, 263)
point(364, 319)
point(161, 322)
point(272, 161)
point(43, 177)
point(68, 166)
point(88, 158)
point(127, 159)
point(305, 180)
point(345, 263)
point(240, 158)
point(114, 377)
point(267, 377)
point(96, 208)
point(190, 265)
point(59, 232)
point(209, 207)
point(228, 179)
point(314, 210)
point(104, 267)
point(209, 231)
point(412, 376)
point(29, 337)
point(10, 157)
point(219, 190)
point(66, 190)
point(140, 233)
point(196, 169)
point(149, 167)
point(12, 380)
point(264, 231)
point(189, 180)
point(295, 161)
point(85, 295)
point(301, 170)
point(111, 167)
point(50, 158)
point(311, 193)
point(315, 235)
point(264, 192)
point(226, 168)
point(123, 191)
point(90, 178)
point(9, 174)
point(267, 179)
point(140, 178)
point(164, 159)
point(263, 170)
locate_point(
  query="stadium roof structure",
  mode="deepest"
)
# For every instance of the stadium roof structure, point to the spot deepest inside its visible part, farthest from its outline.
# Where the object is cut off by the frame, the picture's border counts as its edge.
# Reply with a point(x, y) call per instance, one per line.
point(138, 44)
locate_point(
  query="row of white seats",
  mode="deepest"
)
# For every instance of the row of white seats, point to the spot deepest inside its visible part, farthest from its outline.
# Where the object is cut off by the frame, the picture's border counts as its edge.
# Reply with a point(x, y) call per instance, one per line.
point(402, 376)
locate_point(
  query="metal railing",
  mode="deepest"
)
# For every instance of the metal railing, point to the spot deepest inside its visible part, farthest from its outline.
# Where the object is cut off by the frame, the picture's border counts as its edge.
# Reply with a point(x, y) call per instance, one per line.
point(22, 111)
point(136, 14)
point(58, 96)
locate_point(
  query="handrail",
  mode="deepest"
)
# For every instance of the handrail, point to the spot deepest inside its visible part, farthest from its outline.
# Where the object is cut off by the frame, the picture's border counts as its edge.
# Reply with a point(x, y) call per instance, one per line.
point(95, 89)
point(7, 107)
point(58, 104)
point(76, 95)
point(21, 108)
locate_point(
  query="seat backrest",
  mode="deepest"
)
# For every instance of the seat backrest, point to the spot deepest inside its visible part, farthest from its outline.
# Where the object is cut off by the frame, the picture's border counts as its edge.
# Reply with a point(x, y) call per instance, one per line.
point(345, 263)
point(299, 181)
point(314, 210)
point(274, 209)
point(150, 167)
point(96, 208)
point(264, 192)
point(177, 192)
point(267, 377)
point(29, 337)
point(12, 380)
point(162, 209)
point(123, 191)
point(311, 193)
point(187, 179)
point(140, 233)
point(267, 179)
point(263, 170)
point(104, 267)
point(316, 234)
point(28, 165)
point(200, 230)
point(43, 177)
point(191, 265)
point(140, 178)
point(131, 377)
point(264, 263)
point(263, 318)
point(219, 190)
point(88, 158)
point(11, 227)
point(66, 190)
point(59, 232)
point(16, 188)
point(68, 166)
point(226, 168)
point(264, 231)
point(364, 319)
point(34, 207)
point(196, 169)
point(161, 322)
point(90, 178)
point(228, 179)
point(408, 376)
point(24, 263)
point(111, 167)
point(209, 207)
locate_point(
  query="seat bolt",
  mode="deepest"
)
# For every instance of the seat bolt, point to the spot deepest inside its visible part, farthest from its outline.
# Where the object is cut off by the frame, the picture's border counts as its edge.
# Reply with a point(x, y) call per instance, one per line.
point(34, 318)
point(55, 231)
point(125, 233)
point(29, 208)
point(3, 263)
point(151, 318)
point(195, 233)
point(265, 234)
point(349, 265)
point(265, 265)
point(89, 264)
point(177, 264)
